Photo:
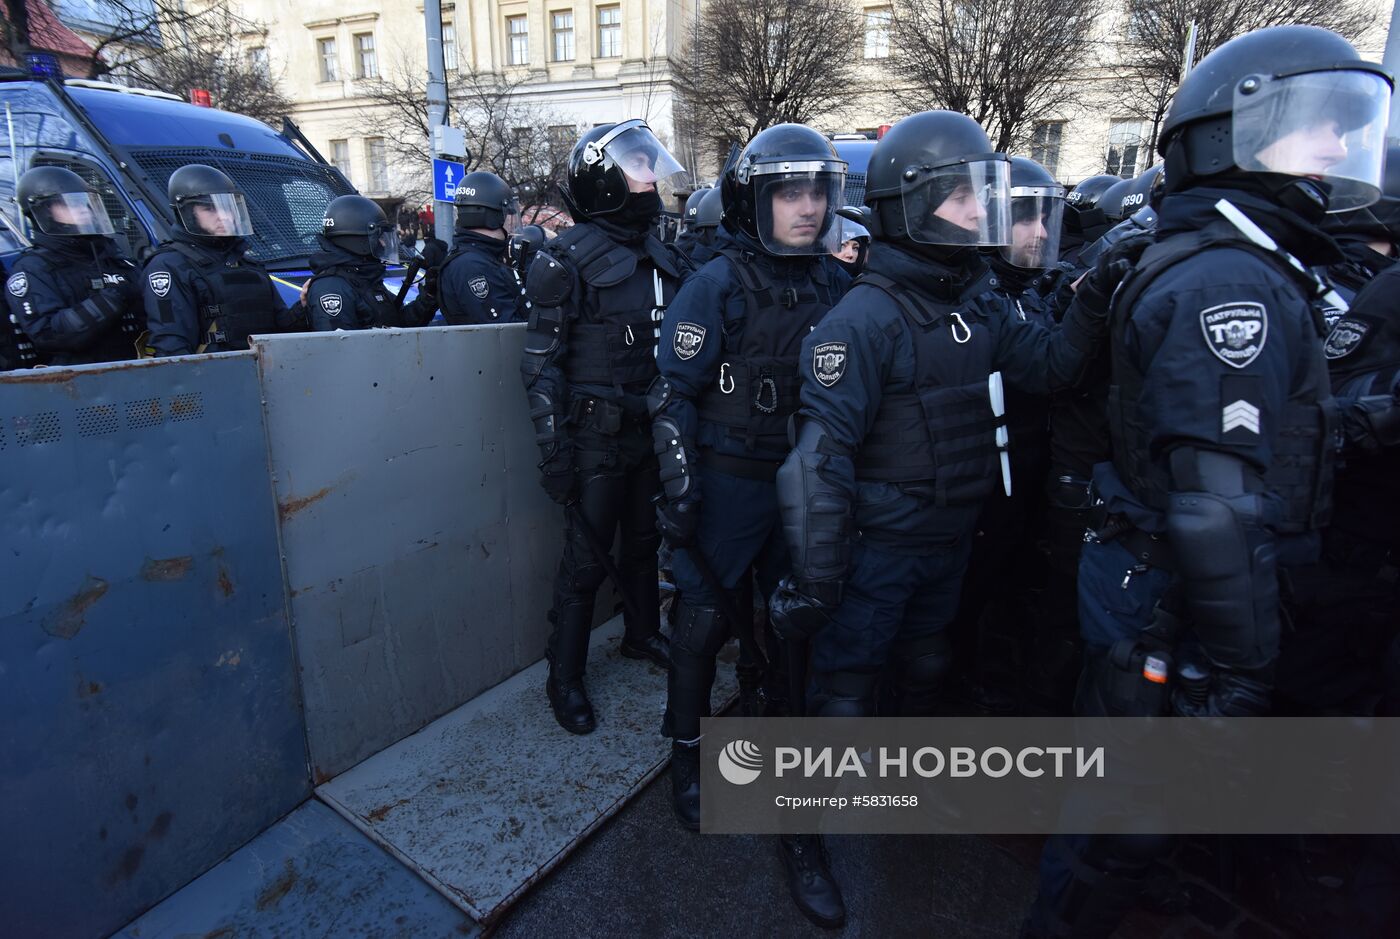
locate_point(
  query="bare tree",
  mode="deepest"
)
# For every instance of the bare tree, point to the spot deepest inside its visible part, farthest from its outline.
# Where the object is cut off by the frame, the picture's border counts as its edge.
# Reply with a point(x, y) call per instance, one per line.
point(1152, 52)
point(1005, 63)
point(523, 142)
point(755, 63)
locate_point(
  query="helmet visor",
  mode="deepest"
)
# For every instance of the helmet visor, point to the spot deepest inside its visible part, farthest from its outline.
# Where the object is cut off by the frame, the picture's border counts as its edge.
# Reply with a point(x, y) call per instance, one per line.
point(1327, 126)
point(73, 213)
point(796, 212)
point(218, 215)
point(384, 243)
point(1037, 213)
point(645, 162)
point(959, 204)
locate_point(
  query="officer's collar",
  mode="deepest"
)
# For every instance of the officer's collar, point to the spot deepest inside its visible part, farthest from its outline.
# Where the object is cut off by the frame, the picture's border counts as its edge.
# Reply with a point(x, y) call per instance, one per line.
point(943, 281)
point(80, 246)
point(335, 256)
point(221, 246)
point(1194, 208)
point(1014, 280)
point(469, 237)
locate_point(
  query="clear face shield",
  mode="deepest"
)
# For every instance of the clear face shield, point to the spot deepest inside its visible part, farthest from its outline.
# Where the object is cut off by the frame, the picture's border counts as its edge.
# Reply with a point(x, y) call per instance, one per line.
point(1326, 126)
point(384, 243)
point(959, 204)
point(1036, 216)
point(796, 211)
point(218, 215)
point(644, 161)
point(73, 213)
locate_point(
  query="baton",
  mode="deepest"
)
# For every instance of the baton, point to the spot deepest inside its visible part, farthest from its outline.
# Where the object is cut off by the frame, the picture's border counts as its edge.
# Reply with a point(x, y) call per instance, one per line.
point(408, 276)
point(600, 552)
point(997, 392)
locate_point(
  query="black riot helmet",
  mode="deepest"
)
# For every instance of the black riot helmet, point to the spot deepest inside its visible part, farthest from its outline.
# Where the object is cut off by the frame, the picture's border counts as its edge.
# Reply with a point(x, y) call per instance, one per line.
point(59, 202)
point(1379, 221)
point(358, 225)
point(609, 159)
point(484, 200)
point(1083, 215)
point(933, 179)
point(784, 191)
point(207, 203)
point(710, 211)
point(1037, 213)
point(522, 245)
point(1129, 196)
point(692, 208)
point(1293, 105)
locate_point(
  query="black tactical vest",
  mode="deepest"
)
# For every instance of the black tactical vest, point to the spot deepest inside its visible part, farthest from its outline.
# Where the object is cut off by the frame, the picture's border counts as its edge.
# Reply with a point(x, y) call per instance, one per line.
point(376, 305)
point(77, 278)
point(1301, 474)
point(943, 431)
point(757, 388)
point(613, 340)
point(453, 312)
point(235, 299)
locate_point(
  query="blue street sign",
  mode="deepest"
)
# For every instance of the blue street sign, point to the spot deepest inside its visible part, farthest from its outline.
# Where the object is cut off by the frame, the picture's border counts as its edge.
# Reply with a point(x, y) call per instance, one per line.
point(446, 175)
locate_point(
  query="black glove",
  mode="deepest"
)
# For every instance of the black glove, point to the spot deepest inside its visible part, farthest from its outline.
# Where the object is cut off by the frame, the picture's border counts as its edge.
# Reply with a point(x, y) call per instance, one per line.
point(113, 301)
point(800, 611)
point(1095, 289)
point(558, 476)
point(678, 521)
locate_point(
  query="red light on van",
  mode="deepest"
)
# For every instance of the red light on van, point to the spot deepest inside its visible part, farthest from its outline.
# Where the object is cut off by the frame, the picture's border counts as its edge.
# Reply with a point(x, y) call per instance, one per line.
point(200, 97)
point(881, 130)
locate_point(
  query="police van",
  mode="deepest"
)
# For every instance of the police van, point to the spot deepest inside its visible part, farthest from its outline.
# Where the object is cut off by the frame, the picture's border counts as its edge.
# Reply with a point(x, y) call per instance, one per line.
point(126, 142)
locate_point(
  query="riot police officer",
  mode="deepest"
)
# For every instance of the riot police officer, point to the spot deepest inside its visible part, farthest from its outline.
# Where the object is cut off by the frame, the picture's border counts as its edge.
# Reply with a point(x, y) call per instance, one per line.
point(597, 293)
point(477, 284)
point(708, 235)
point(1084, 219)
point(73, 295)
point(347, 290)
point(1369, 238)
point(852, 245)
point(729, 380)
point(897, 435)
point(1218, 409)
point(203, 292)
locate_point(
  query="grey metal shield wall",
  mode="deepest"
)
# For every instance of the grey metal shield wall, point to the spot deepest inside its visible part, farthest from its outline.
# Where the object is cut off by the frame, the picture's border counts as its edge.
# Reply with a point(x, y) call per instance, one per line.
point(419, 547)
point(151, 722)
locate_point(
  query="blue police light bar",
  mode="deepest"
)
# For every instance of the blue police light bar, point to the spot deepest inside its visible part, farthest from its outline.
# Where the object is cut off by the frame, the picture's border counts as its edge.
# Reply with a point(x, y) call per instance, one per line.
point(43, 65)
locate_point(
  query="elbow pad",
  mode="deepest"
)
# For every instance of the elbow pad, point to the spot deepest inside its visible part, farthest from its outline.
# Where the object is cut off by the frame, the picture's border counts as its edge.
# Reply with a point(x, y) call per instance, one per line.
point(674, 452)
point(543, 337)
point(816, 507)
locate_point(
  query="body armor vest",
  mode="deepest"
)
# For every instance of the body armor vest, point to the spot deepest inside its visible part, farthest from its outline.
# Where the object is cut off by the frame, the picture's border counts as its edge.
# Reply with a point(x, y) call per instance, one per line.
point(1301, 473)
point(234, 302)
point(757, 387)
point(613, 340)
point(453, 311)
point(376, 305)
point(943, 430)
point(77, 278)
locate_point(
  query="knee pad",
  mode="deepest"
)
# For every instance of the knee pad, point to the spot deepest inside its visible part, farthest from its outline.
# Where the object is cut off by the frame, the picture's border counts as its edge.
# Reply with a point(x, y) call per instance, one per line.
point(699, 631)
point(921, 668)
point(843, 694)
point(583, 577)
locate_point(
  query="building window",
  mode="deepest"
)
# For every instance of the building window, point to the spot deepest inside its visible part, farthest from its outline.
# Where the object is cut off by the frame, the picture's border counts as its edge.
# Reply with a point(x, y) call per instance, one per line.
point(518, 34)
point(610, 32)
point(1045, 144)
point(562, 137)
point(257, 61)
point(366, 63)
point(330, 68)
point(340, 156)
point(377, 163)
point(449, 47)
point(561, 25)
point(1125, 148)
point(877, 32)
point(965, 26)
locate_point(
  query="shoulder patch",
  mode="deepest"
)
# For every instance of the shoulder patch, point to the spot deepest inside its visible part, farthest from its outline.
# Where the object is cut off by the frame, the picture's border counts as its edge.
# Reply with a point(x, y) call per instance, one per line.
point(160, 282)
point(479, 287)
point(18, 284)
point(689, 340)
point(1235, 332)
point(331, 304)
point(829, 362)
point(1345, 338)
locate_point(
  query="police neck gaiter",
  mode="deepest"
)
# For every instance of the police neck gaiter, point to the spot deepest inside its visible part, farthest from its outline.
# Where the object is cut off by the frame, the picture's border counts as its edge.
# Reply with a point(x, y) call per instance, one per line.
point(639, 213)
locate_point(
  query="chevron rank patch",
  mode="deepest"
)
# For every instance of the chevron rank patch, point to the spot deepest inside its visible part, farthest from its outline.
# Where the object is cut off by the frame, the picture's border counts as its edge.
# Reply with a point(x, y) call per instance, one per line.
point(1239, 415)
point(1235, 332)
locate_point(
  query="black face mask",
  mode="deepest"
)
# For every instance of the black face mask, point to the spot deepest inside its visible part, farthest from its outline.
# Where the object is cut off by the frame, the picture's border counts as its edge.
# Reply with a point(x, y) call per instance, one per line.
point(640, 211)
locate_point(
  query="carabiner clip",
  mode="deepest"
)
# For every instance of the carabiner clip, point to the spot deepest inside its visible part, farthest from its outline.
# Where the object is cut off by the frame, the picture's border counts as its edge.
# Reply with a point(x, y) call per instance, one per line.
point(767, 384)
point(724, 376)
point(629, 338)
point(967, 332)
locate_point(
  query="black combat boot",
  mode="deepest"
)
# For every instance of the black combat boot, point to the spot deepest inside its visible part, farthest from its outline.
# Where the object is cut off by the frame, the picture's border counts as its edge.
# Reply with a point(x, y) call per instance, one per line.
point(644, 640)
point(685, 783)
point(814, 890)
point(568, 653)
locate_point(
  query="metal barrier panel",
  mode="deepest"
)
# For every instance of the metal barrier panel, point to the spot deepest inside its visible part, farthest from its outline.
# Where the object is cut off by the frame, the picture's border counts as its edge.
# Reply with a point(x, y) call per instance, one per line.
point(151, 722)
point(420, 550)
